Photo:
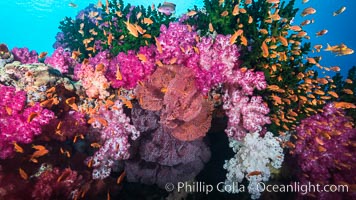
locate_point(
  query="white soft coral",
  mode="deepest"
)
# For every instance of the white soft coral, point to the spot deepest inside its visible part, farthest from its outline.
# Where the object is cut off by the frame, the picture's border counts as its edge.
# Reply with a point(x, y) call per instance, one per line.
point(254, 155)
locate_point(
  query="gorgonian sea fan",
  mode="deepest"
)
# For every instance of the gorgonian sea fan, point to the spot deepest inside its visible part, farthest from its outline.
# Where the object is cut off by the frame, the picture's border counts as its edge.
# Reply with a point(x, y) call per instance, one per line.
point(171, 89)
point(19, 123)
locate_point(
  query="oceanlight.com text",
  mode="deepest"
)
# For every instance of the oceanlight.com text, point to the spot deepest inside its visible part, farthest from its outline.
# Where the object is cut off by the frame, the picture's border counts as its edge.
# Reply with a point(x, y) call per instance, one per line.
point(235, 187)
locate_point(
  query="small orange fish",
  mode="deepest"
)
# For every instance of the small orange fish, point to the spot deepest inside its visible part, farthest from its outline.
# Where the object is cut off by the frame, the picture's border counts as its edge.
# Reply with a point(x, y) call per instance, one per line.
point(322, 32)
point(32, 116)
point(235, 35)
point(38, 147)
point(264, 48)
point(132, 29)
point(243, 40)
point(110, 37)
point(147, 21)
point(283, 40)
point(235, 11)
point(118, 74)
point(224, 14)
point(264, 31)
point(250, 19)
point(158, 44)
point(18, 148)
point(23, 174)
point(295, 28)
point(334, 94)
point(42, 55)
point(39, 153)
point(349, 81)
point(254, 173)
point(141, 57)
point(8, 110)
point(273, 1)
point(95, 145)
point(242, 10)
point(348, 91)
point(191, 13)
point(121, 177)
point(308, 11)
point(344, 105)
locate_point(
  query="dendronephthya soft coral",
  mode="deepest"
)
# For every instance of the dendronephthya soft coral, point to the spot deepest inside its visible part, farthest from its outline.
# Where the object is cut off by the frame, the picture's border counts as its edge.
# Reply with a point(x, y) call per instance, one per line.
point(18, 122)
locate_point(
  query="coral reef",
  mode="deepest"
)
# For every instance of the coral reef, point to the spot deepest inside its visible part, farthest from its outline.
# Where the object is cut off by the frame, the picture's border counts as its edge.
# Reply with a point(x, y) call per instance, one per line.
point(35, 79)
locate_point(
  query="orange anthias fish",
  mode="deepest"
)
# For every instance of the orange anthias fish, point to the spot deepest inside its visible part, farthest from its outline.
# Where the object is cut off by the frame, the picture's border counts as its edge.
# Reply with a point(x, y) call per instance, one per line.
point(308, 11)
point(322, 32)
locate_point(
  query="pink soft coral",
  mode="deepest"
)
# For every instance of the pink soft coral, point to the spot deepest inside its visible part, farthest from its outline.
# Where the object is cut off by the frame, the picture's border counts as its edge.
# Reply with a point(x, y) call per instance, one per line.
point(19, 123)
point(127, 69)
point(215, 63)
point(177, 42)
point(245, 114)
point(93, 80)
point(115, 130)
point(61, 60)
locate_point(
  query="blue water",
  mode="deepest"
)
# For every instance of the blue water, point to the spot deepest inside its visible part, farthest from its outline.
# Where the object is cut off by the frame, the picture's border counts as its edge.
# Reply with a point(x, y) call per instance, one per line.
point(34, 23)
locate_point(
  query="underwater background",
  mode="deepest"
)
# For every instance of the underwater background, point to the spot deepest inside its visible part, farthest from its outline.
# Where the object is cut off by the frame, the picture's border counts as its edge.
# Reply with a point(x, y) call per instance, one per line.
point(211, 99)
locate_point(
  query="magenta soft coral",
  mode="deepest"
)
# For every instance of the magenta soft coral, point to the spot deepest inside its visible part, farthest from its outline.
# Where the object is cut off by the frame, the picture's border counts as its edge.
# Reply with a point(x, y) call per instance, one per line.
point(19, 123)
point(61, 60)
point(24, 55)
point(127, 69)
point(325, 150)
point(115, 134)
point(177, 42)
point(215, 63)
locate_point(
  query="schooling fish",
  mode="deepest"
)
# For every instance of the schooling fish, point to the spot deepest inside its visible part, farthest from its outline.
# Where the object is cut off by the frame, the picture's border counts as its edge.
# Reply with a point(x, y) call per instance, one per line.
point(322, 32)
point(167, 8)
point(338, 12)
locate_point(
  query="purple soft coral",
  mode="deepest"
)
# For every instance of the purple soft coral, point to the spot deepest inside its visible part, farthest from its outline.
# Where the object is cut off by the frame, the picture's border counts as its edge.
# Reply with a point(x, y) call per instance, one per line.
point(325, 150)
point(18, 122)
point(24, 55)
point(61, 60)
